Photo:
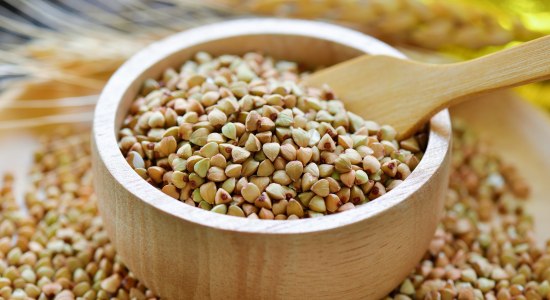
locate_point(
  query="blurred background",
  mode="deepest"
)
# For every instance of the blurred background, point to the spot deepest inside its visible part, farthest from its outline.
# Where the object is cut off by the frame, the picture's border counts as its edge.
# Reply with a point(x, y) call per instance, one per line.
point(56, 55)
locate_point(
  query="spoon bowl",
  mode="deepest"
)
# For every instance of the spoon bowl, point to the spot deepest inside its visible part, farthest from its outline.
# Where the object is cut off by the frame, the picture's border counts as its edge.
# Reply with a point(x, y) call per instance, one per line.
point(182, 252)
point(412, 92)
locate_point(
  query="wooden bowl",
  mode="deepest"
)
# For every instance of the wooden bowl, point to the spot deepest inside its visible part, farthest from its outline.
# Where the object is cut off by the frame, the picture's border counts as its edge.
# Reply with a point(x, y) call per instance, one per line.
point(182, 252)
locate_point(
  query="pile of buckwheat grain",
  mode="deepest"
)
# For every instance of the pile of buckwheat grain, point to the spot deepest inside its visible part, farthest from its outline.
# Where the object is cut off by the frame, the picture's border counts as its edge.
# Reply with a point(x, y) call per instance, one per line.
point(57, 248)
point(483, 248)
point(243, 136)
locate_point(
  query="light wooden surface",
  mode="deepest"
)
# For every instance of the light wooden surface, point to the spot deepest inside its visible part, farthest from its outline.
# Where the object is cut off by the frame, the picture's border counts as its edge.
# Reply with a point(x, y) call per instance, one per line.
point(522, 134)
point(406, 94)
point(182, 252)
point(16, 150)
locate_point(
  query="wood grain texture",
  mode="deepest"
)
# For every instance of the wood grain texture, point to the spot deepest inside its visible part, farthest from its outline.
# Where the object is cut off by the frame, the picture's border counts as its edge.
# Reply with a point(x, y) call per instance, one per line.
point(406, 93)
point(182, 252)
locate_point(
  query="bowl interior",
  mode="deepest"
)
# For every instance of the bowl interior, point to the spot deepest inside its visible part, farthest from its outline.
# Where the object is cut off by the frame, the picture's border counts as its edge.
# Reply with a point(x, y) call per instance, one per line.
point(312, 45)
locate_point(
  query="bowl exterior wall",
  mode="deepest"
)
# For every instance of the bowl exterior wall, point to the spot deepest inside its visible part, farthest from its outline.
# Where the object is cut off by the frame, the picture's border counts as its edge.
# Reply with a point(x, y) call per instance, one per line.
point(182, 260)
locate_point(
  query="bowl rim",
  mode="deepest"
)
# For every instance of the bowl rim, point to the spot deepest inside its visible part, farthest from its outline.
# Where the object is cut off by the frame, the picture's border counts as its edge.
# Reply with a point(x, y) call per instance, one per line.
point(106, 142)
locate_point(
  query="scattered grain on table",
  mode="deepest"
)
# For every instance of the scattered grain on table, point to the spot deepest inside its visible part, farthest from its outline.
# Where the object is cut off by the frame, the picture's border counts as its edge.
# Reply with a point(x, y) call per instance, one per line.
point(484, 247)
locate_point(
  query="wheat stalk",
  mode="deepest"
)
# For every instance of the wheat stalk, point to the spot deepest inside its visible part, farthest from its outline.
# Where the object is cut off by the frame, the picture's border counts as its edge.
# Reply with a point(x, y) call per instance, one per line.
point(427, 24)
point(77, 49)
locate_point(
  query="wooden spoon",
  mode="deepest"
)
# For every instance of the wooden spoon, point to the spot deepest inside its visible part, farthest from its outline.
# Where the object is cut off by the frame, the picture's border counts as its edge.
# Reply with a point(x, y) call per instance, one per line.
point(406, 94)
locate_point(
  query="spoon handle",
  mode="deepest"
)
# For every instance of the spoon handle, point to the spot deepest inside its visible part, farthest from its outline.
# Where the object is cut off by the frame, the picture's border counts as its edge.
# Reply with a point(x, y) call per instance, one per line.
point(529, 62)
